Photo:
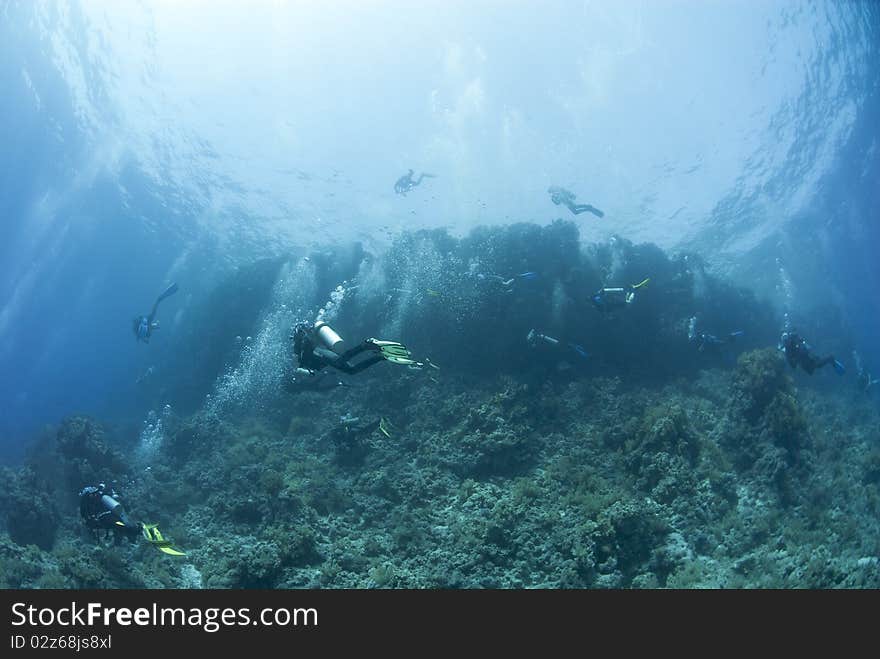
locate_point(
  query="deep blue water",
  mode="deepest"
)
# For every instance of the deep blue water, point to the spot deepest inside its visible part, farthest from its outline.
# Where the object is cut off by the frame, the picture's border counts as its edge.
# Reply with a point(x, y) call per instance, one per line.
point(137, 150)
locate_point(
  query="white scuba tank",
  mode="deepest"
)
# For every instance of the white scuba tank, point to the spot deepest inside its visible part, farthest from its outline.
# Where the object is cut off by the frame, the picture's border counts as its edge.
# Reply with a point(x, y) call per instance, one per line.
point(329, 337)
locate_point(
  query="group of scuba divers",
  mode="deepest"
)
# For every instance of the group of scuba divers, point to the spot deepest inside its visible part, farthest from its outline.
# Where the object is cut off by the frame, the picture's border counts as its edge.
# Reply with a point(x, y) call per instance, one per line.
point(558, 195)
point(99, 505)
point(319, 350)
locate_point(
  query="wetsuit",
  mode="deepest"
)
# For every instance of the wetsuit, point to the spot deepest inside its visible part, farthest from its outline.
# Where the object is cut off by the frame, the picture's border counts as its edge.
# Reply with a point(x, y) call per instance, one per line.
point(314, 357)
point(101, 510)
point(566, 198)
point(798, 353)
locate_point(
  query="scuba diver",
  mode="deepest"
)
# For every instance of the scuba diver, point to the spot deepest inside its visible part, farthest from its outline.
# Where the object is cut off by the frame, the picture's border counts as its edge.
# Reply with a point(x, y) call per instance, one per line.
point(319, 346)
point(143, 377)
point(101, 511)
point(798, 352)
point(405, 183)
point(566, 197)
point(349, 438)
point(535, 339)
point(609, 299)
point(704, 340)
point(144, 325)
point(864, 379)
point(508, 284)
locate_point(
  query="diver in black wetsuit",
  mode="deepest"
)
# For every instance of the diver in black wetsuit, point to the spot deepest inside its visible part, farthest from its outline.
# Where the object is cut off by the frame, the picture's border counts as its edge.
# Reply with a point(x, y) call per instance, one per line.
point(143, 326)
point(709, 341)
point(405, 183)
point(100, 509)
point(565, 197)
point(611, 298)
point(536, 339)
point(312, 347)
point(798, 353)
point(349, 438)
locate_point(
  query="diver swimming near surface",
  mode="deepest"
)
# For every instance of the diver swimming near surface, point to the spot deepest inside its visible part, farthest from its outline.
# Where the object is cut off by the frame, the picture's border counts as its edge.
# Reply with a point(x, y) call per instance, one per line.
point(145, 325)
point(704, 340)
point(101, 510)
point(406, 183)
point(798, 353)
point(319, 346)
point(608, 299)
point(559, 195)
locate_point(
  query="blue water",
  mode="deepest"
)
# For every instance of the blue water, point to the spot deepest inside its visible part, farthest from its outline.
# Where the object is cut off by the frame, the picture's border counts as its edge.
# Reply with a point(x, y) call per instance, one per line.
point(149, 143)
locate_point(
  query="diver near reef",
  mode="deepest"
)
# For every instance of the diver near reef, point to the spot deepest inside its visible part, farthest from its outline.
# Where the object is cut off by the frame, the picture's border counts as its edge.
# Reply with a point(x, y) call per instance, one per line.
point(320, 346)
point(406, 183)
point(349, 437)
point(536, 339)
point(565, 197)
point(710, 341)
point(144, 325)
point(101, 510)
point(609, 299)
point(863, 377)
point(798, 353)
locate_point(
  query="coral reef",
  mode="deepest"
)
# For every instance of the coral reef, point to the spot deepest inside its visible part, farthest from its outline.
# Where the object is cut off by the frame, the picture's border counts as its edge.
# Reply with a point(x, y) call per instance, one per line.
point(648, 465)
point(573, 484)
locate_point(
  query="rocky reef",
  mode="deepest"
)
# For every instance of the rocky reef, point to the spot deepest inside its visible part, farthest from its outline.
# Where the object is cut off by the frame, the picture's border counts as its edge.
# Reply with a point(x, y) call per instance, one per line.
point(732, 479)
point(640, 461)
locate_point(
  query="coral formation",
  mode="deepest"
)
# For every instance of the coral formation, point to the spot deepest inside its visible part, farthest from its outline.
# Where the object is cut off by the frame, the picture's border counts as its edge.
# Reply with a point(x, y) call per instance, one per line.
point(648, 465)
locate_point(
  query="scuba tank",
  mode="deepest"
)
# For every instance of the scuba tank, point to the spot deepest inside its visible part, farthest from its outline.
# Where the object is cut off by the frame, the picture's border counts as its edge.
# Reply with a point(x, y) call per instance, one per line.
point(533, 338)
point(329, 337)
point(109, 503)
point(611, 298)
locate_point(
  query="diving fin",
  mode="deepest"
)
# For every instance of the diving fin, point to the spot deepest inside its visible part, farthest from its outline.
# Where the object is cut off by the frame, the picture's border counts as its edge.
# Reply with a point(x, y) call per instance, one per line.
point(385, 427)
point(839, 367)
point(382, 344)
point(641, 283)
point(155, 538)
point(399, 358)
point(580, 350)
point(168, 292)
point(394, 352)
